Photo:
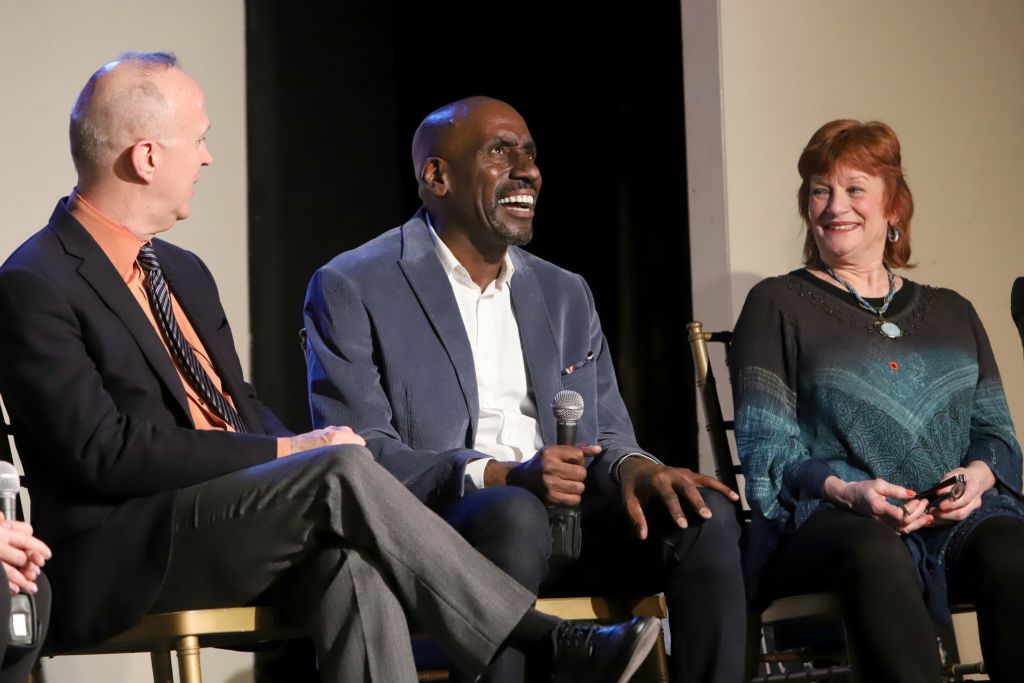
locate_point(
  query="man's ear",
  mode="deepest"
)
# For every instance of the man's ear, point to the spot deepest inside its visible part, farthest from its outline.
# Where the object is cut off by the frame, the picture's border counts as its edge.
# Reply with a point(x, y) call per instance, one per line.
point(144, 157)
point(434, 176)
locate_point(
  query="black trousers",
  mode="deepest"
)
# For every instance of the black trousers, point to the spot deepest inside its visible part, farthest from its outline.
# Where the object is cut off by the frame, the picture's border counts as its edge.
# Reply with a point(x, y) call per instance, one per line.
point(697, 568)
point(16, 663)
point(892, 633)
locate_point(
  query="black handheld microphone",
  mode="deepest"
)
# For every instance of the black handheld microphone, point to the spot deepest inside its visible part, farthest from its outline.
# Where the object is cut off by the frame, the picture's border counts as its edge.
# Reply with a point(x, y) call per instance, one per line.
point(23, 627)
point(567, 539)
point(568, 409)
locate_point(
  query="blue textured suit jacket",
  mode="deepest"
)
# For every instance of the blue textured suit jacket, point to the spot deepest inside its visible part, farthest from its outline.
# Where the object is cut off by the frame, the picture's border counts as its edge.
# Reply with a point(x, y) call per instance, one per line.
point(389, 356)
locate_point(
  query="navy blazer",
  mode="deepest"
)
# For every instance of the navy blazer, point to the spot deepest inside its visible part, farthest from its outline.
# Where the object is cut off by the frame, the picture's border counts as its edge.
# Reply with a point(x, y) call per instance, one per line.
point(101, 420)
point(389, 356)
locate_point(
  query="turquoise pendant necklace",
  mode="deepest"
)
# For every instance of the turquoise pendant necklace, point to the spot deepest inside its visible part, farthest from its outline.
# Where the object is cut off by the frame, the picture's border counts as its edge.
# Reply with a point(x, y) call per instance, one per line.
point(885, 327)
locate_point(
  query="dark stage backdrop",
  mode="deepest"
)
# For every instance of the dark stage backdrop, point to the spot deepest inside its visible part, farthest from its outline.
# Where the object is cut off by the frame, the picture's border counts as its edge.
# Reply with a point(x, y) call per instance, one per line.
point(335, 91)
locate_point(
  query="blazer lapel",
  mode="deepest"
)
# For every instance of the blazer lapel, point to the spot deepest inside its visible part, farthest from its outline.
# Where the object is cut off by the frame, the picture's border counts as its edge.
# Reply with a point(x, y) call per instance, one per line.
point(538, 342)
point(427, 278)
point(99, 273)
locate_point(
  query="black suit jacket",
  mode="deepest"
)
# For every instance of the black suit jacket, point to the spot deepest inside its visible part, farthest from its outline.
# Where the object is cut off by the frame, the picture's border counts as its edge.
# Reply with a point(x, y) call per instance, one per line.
point(101, 420)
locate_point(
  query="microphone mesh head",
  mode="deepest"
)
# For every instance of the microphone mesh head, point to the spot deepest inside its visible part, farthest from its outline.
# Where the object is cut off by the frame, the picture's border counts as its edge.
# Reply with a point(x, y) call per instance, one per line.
point(10, 482)
point(567, 406)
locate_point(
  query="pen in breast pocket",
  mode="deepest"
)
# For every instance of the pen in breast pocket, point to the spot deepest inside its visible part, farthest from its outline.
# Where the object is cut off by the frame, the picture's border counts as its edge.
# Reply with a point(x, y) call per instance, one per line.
point(578, 364)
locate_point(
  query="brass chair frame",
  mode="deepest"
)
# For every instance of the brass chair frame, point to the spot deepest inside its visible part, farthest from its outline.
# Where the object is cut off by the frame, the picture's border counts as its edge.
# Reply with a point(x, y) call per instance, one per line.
point(813, 606)
point(186, 632)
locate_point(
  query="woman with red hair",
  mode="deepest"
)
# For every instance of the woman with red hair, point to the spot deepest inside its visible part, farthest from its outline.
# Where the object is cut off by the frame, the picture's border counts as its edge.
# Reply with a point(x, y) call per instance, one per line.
point(858, 391)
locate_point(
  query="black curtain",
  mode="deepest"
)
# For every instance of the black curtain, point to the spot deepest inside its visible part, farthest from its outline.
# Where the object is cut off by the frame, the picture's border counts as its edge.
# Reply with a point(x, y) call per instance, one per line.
point(335, 91)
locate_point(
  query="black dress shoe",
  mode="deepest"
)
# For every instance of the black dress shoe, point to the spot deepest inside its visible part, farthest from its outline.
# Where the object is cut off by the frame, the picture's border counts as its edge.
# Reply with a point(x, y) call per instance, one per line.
point(588, 653)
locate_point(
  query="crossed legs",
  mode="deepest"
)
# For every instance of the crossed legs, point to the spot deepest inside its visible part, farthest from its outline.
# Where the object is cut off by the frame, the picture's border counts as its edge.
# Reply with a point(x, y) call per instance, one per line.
point(336, 542)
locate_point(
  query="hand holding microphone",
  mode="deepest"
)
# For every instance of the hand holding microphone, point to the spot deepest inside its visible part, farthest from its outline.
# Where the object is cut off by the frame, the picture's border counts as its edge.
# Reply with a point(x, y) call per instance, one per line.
point(19, 549)
point(556, 474)
point(567, 538)
point(23, 556)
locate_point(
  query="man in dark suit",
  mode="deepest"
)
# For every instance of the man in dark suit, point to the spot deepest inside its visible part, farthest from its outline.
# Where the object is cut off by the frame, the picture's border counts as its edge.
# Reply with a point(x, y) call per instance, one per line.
point(160, 480)
point(442, 343)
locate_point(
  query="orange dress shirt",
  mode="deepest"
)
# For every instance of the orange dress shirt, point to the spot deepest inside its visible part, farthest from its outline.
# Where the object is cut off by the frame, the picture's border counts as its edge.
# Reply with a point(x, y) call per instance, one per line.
point(122, 248)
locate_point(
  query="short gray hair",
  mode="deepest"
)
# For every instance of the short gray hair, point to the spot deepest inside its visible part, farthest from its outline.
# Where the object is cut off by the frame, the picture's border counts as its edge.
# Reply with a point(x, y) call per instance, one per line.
point(94, 124)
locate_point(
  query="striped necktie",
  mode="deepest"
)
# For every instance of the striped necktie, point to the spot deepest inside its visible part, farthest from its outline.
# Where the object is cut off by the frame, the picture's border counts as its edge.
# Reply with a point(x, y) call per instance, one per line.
point(160, 302)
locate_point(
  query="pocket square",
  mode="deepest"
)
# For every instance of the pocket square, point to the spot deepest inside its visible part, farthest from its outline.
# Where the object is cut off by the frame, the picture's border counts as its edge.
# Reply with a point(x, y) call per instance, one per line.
point(578, 364)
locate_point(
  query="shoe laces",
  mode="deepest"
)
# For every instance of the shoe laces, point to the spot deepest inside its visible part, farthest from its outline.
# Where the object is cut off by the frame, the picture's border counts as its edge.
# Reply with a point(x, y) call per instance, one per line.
point(577, 635)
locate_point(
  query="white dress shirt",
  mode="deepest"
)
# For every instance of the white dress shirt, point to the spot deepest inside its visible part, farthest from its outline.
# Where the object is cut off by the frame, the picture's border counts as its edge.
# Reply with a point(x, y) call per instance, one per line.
point(507, 426)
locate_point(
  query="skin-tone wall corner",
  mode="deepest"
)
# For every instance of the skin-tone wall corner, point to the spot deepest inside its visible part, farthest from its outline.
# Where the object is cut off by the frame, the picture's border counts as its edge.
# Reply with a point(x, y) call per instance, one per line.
point(760, 78)
point(49, 49)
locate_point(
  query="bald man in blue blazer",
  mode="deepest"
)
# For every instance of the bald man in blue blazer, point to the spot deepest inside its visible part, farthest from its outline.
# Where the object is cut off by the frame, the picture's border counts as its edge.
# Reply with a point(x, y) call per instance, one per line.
point(442, 343)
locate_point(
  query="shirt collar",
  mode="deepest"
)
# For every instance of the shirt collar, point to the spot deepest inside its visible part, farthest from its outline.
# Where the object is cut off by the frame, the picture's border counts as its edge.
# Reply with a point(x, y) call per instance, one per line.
point(119, 245)
point(454, 269)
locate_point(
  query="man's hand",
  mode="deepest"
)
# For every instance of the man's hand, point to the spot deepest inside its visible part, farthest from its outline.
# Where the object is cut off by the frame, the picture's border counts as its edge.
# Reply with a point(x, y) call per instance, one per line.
point(643, 479)
point(328, 436)
point(870, 499)
point(555, 474)
point(22, 555)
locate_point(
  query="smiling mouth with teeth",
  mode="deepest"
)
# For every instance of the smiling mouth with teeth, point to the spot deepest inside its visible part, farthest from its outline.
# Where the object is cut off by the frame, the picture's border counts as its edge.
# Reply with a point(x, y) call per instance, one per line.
point(519, 201)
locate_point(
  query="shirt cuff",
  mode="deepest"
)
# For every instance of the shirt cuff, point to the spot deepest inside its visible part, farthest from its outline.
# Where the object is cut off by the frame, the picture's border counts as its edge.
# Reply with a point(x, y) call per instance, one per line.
point(474, 478)
point(810, 478)
point(618, 464)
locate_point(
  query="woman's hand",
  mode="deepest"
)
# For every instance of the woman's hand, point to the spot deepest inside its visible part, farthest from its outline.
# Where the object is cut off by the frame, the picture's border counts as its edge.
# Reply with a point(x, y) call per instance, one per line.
point(22, 554)
point(869, 498)
point(979, 478)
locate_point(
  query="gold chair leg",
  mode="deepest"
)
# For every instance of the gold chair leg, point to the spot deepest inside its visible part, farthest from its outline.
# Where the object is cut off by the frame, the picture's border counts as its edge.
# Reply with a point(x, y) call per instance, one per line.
point(655, 667)
point(752, 657)
point(188, 660)
point(161, 663)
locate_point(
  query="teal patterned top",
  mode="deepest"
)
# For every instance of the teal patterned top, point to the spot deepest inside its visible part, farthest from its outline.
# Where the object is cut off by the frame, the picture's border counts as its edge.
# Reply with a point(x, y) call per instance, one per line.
point(819, 391)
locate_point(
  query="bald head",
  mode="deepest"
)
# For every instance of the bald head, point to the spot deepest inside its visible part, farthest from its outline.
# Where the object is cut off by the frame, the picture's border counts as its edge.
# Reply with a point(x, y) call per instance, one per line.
point(138, 138)
point(122, 102)
point(445, 131)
